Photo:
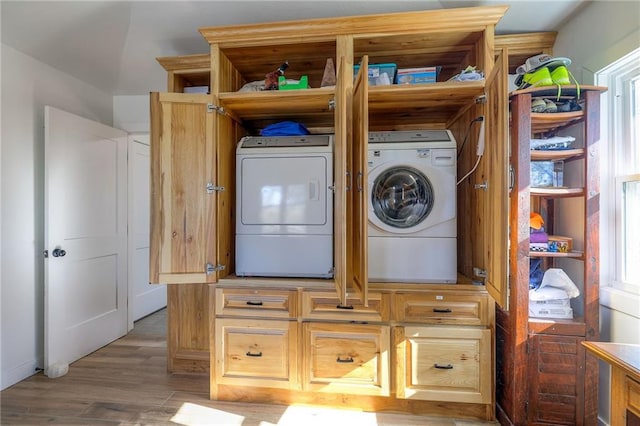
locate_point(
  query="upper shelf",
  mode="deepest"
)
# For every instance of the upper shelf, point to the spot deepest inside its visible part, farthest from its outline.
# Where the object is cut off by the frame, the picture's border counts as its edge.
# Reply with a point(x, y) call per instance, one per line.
point(314, 106)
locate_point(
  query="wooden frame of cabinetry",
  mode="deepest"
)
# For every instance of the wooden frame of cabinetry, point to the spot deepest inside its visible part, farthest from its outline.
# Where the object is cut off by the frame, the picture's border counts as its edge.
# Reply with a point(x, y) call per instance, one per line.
point(543, 374)
point(451, 38)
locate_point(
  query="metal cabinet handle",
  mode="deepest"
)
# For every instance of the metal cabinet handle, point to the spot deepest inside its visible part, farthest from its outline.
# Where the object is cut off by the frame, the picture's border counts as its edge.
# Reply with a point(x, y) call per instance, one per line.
point(344, 307)
point(443, 367)
point(442, 310)
point(250, 303)
point(344, 360)
point(254, 354)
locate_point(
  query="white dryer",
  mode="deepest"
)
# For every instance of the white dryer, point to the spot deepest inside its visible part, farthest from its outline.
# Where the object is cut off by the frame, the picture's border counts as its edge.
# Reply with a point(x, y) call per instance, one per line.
point(412, 206)
point(284, 205)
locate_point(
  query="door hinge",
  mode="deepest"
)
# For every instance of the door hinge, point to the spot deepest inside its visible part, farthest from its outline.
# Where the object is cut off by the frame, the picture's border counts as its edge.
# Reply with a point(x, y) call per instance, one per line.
point(211, 188)
point(219, 109)
point(482, 99)
point(46, 253)
point(484, 185)
point(332, 104)
point(210, 269)
point(478, 272)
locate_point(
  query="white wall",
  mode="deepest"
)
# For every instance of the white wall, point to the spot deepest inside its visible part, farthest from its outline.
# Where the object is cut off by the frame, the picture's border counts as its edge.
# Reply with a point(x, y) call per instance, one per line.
point(598, 35)
point(28, 85)
point(132, 113)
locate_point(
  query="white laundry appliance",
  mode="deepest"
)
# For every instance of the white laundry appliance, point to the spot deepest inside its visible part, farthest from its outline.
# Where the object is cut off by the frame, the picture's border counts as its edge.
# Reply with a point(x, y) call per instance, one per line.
point(284, 204)
point(412, 206)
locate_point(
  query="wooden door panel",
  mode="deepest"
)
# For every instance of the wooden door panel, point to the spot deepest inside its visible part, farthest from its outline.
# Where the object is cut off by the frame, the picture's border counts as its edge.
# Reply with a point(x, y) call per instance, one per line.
point(183, 210)
point(556, 388)
point(495, 176)
point(359, 191)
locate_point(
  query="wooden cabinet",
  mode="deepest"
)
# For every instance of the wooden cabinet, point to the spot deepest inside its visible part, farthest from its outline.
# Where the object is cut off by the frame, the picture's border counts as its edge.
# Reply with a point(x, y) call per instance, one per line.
point(193, 202)
point(543, 375)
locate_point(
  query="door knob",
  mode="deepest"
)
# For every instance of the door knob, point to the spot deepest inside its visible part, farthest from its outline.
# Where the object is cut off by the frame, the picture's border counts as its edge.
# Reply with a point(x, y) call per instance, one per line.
point(58, 252)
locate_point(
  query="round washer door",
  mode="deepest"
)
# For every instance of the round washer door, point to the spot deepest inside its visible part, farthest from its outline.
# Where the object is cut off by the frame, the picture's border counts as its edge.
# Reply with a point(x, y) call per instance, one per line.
point(403, 199)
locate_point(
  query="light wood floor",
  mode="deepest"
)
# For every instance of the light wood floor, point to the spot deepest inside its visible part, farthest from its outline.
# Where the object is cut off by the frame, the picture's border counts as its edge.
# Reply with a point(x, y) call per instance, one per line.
point(126, 383)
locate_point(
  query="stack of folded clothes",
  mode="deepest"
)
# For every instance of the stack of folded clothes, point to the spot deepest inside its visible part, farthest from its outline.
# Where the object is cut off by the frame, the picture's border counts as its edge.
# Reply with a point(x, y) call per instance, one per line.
point(538, 238)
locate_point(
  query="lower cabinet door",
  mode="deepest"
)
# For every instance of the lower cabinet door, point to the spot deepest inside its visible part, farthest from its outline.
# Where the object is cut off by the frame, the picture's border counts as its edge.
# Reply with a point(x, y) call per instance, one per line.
point(259, 353)
point(444, 364)
point(346, 358)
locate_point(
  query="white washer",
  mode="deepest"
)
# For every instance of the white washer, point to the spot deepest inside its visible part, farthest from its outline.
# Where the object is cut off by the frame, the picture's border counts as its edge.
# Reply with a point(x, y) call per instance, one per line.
point(284, 205)
point(412, 206)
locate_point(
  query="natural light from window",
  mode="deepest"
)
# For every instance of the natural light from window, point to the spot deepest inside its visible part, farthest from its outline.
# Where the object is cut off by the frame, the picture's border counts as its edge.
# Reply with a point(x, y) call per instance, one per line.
point(191, 414)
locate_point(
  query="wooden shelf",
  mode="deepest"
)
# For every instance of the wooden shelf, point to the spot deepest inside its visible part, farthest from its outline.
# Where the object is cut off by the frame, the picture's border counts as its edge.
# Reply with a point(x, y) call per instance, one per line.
point(310, 106)
point(557, 155)
point(571, 254)
point(557, 192)
point(551, 122)
point(563, 327)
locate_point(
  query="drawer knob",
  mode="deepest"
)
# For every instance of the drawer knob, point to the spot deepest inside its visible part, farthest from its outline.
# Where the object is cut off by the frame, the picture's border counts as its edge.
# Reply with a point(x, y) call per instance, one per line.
point(250, 303)
point(344, 360)
point(254, 354)
point(442, 311)
point(443, 367)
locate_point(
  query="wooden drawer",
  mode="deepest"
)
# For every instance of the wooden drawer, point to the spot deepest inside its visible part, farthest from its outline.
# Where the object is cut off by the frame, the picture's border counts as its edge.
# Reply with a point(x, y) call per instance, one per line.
point(326, 306)
point(256, 303)
point(346, 358)
point(257, 353)
point(444, 364)
point(633, 389)
point(442, 308)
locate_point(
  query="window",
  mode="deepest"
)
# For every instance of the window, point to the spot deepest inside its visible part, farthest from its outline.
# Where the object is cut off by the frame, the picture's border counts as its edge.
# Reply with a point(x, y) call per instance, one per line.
point(620, 187)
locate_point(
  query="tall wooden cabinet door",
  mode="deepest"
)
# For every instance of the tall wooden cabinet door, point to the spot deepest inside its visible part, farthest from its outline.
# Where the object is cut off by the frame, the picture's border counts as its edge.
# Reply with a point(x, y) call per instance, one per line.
point(496, 183)
point(182, 189)
point(341, 176)
point(360, 221)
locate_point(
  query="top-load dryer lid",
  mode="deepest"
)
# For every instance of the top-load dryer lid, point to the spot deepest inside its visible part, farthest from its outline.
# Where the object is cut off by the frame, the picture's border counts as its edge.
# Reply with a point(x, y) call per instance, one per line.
point(402, 136)
point(284, 141)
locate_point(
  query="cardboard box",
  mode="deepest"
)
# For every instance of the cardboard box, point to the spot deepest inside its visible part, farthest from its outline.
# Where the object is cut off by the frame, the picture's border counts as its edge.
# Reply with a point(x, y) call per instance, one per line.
point(417, 75)
point(196, 89)
point(550, 311)
point(379, 74)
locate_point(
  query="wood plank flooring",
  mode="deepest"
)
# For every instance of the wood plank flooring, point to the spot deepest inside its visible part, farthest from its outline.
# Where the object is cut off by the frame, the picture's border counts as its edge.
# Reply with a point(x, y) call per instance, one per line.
point(126, 383)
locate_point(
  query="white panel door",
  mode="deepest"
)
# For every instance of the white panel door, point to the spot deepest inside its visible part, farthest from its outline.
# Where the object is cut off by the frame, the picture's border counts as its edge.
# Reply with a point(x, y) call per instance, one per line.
point(144, 298)
point(85, 236)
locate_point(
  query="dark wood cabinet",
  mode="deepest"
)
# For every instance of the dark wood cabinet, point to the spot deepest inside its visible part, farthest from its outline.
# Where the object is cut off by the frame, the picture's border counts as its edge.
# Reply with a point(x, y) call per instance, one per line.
point(543, 375)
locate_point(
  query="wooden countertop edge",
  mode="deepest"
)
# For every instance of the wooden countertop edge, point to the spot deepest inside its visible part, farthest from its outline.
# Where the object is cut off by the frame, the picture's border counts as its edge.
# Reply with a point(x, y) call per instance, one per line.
point(620, 355)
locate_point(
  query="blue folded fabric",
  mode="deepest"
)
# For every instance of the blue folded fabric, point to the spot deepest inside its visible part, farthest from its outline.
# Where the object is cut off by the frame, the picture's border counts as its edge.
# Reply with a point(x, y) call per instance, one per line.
point(284, 128)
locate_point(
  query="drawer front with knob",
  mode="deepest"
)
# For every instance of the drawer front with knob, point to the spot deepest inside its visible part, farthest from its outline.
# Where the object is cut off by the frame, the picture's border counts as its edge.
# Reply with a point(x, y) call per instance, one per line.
point(256, 303)
point(318, 305)
point(346, 358)
point(443, 364)
point(442, 308)
point(257, 353)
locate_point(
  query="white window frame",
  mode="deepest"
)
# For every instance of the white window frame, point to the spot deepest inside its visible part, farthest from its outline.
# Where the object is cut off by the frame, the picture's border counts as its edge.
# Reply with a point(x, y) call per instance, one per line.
point(616, 151)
